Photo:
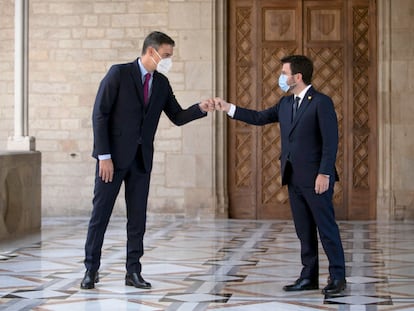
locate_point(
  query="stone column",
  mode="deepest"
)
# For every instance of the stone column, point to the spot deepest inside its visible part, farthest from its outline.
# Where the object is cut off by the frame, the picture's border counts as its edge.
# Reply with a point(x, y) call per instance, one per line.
point(21, 141)
point(385, 200)
point(220, 118)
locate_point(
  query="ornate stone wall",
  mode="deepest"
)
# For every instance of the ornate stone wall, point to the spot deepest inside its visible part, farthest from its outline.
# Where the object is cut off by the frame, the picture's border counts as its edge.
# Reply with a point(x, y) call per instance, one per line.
point(72, 45)
point(401, 108)
point(395, 198)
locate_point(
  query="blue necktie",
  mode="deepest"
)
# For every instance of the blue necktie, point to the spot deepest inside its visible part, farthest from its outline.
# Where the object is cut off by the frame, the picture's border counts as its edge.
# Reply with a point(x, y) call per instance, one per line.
point(295, 107)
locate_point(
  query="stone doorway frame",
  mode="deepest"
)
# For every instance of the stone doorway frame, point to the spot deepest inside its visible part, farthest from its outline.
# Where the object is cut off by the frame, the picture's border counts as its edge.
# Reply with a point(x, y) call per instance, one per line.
point(385, 202)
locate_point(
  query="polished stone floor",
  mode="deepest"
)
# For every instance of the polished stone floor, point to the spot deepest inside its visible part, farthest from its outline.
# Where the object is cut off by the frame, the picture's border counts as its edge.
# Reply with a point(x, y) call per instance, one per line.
point(206, 265)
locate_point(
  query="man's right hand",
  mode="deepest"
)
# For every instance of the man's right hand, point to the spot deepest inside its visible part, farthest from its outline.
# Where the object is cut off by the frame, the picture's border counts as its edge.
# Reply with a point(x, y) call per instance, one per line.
point(106, 170)
point(221, 104)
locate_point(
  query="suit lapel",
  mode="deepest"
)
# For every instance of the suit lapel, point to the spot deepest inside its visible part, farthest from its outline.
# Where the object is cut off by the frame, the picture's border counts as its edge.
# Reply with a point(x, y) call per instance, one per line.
point(303, 107)
point(154, 86)
point(291, 100)
point(136, 77)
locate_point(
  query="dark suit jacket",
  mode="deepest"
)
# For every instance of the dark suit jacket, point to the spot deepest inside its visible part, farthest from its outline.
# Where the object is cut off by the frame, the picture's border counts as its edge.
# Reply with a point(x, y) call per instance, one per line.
point(120, 121)
point(310, 143)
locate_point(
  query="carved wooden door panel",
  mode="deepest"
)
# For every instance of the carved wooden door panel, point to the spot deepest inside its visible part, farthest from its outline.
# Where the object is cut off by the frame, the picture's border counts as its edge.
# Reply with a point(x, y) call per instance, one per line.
point(340, 37)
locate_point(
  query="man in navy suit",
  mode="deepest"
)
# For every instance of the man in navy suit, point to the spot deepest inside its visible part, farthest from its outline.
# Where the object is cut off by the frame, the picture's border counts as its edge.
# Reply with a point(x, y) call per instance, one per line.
point(125, 117)
point(309, 138)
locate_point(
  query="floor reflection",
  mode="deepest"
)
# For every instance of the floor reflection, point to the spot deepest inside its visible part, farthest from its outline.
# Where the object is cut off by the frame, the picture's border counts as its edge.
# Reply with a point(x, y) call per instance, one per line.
point(206, 265)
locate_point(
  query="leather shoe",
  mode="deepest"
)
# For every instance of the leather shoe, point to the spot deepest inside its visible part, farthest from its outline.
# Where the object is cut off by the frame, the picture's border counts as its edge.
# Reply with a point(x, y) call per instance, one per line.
point(136, 280)
point(89, 280)
point(301, 284)
point(334, 287)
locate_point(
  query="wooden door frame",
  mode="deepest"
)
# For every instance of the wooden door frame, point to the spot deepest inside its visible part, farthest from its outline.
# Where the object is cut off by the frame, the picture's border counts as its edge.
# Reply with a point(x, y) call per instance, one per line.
point(374, 184)
point(384, 197)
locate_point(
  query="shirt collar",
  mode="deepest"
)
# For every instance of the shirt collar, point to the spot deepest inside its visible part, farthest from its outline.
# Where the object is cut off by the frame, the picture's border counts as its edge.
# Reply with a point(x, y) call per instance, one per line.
point(304, 91)
point(142, 69)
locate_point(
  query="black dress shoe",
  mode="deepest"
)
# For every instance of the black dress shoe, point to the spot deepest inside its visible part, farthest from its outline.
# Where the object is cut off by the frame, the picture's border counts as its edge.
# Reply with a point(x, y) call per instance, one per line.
point(334, 287)
point(301, 284)
point(89, 280)
point(136, 280)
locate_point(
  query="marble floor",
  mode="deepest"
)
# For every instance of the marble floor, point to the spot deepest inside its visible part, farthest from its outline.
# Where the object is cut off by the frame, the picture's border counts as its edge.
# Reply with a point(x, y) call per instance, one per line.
point(206, 265)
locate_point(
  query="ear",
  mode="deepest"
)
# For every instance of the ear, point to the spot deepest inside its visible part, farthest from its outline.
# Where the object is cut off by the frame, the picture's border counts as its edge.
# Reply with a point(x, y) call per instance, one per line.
point(150, 51)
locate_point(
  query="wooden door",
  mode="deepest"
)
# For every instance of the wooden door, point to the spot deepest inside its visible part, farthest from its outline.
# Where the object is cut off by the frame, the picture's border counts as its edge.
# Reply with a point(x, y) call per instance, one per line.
point(340, 37)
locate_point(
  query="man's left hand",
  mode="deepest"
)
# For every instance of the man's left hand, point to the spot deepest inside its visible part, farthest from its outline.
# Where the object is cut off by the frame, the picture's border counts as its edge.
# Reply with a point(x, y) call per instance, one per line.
point(321, 183)
point(207, 105)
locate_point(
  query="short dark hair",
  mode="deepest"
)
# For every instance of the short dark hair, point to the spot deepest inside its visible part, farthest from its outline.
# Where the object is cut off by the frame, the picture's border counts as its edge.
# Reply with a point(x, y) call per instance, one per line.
point(300, 64)
point(155, 39)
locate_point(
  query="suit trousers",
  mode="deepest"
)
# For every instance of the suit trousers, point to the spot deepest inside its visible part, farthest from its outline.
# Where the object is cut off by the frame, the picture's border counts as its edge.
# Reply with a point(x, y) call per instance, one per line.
point(313, 213)
point(137, 182)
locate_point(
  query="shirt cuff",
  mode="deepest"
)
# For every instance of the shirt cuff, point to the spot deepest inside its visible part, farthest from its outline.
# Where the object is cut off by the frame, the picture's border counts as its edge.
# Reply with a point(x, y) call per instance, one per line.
point(232, 111)
point(104, 156)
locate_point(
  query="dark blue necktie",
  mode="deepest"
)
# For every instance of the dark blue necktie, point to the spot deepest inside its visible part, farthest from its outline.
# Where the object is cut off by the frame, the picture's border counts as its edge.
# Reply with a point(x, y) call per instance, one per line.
point(295, 107)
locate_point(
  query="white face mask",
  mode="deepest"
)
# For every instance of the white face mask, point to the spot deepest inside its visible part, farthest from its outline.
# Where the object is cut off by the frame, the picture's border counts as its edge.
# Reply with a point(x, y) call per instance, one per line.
point(283, 83)
point(164, 65)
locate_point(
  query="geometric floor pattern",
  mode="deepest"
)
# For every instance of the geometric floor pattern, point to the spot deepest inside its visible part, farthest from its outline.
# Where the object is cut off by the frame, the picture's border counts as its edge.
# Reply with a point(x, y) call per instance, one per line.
point(225, 265)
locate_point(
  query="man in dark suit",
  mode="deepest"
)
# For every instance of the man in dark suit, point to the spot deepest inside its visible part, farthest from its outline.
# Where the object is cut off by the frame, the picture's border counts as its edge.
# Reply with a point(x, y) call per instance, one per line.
point(309, 138)
point(126, 113)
